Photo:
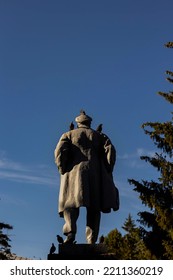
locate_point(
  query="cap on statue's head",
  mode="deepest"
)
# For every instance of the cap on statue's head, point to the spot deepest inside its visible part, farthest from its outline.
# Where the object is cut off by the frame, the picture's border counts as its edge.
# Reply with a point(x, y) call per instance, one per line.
point(83, 117)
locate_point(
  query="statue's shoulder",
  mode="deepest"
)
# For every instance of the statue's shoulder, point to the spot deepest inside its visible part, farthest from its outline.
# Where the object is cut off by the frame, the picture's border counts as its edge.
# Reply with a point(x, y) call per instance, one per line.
point(65, 136)
point(72, 133)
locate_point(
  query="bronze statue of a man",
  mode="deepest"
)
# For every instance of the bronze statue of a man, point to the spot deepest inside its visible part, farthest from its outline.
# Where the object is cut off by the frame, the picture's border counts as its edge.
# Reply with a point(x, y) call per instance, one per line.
point(85, 159)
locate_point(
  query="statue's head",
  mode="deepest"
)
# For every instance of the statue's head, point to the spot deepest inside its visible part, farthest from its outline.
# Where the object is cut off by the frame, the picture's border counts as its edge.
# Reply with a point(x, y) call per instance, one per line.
point(83, 119)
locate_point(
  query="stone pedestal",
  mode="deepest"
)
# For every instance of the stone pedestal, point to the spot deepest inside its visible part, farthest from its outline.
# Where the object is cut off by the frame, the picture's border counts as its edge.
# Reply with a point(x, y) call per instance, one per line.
point(81, 252)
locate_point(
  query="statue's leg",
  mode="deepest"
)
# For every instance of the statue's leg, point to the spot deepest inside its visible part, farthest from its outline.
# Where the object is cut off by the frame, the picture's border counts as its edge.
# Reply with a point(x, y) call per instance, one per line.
point(70, 216)
point(92, 226)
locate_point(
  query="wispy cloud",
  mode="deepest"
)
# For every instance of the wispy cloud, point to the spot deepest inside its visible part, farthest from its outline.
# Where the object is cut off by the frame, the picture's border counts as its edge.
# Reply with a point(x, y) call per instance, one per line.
point(133, 160)
point(129, 199)
point(41, 174)
point(137, 154)
point(125, 190)
point(10, 199)
point(18, 172)
point(11, 165)
point(28, 178)
point(144, 152)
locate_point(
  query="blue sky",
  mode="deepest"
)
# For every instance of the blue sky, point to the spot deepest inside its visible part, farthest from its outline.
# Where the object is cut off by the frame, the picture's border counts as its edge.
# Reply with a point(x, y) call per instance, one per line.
point(107, 57)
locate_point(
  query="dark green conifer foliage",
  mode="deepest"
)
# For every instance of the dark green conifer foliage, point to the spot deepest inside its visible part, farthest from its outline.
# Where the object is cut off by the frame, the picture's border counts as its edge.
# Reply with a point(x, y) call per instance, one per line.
point(131, 239)
point(4, 240)
point(130, 246)
point(114, 241)
point(158, 195)
point(134, 247)
point(129, 224)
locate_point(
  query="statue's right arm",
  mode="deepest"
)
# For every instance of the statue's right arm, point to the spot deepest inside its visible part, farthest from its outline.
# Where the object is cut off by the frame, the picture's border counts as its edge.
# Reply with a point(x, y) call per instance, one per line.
point(61, 153)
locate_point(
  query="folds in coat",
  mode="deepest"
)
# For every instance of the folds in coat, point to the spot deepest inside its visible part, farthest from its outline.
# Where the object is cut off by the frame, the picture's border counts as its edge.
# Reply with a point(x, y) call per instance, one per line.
point(85, 159)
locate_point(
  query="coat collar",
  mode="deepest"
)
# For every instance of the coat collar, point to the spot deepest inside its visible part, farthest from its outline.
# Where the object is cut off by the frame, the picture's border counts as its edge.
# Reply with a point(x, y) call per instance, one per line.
point(81, 125)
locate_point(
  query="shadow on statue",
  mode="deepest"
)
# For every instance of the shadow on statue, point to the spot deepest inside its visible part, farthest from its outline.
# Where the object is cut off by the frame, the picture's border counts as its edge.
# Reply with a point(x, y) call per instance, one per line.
point(85, 159)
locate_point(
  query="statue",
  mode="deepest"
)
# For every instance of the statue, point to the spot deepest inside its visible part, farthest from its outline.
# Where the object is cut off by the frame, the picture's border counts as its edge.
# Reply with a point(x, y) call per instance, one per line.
point(85, 159)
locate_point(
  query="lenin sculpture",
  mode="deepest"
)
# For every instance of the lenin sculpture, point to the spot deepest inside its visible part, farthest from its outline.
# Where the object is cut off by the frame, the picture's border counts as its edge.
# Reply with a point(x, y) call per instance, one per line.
point(85, 159)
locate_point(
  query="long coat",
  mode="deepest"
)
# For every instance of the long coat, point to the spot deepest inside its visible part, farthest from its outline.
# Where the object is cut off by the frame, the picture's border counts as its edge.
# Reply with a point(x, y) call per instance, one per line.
point(85, 160)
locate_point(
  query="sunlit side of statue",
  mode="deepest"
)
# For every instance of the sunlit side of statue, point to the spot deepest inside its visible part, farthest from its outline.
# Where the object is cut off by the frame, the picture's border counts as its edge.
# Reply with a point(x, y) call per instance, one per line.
point(85, 159)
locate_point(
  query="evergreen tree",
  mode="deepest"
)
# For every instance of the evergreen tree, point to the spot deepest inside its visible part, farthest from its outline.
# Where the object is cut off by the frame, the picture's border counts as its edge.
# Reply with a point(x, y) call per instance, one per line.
point(131, 239)
point(129, 224)
point(114, 242)
point(4, 241)
point(134, 247)
point(130, 246)
point(158, 195)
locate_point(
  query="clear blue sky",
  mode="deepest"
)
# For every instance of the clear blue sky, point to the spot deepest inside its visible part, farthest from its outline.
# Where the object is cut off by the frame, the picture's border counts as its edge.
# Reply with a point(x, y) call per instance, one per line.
point(57, 57)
